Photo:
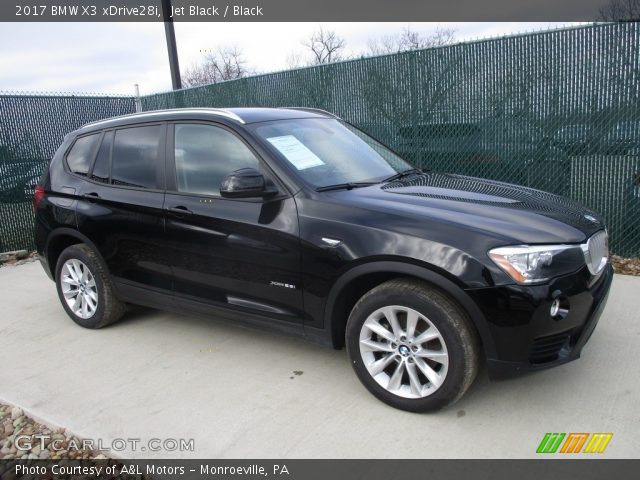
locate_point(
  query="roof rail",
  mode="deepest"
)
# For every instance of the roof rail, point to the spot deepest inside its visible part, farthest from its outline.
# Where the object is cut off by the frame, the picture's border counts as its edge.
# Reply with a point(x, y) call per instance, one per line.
point(313, 110)
point(215, 111)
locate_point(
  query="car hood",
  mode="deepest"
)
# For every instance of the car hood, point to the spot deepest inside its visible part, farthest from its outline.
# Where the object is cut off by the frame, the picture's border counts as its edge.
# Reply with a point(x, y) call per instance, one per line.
point(512, 212)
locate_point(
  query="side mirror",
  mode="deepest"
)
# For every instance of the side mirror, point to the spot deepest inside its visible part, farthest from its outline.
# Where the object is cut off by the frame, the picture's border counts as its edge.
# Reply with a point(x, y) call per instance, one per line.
point(244, 183)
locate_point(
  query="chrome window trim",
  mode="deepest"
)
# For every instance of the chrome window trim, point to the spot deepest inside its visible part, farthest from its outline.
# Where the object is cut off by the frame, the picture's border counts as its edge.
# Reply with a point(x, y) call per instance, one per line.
point(143, 115)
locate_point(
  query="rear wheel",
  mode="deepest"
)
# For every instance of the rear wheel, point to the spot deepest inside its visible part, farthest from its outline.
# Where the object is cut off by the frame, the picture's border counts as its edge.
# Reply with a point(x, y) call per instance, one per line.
point(85, 289)
point(412, 346)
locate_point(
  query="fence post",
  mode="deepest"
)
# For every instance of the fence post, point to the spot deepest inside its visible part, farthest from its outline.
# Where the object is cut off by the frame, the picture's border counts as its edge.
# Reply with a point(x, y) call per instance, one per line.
point(137, 100)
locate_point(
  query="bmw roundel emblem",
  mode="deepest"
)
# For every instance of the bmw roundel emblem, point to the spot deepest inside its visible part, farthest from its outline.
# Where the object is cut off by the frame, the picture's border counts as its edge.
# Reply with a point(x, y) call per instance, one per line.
point(591, 218)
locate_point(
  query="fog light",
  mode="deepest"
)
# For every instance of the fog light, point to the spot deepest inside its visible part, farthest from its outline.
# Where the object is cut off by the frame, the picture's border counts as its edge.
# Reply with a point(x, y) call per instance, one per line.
point(559, 307)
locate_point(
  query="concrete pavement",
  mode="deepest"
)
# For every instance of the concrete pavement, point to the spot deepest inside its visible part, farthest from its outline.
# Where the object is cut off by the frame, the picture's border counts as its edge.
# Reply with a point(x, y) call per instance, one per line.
point(241, 393)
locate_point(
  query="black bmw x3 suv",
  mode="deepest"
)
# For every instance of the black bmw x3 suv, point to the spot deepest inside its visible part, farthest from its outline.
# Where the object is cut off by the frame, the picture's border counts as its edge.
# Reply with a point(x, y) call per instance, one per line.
point(296, 220)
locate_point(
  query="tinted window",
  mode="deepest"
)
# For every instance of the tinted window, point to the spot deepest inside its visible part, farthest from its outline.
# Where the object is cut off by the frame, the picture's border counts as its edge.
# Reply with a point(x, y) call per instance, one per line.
point(205, 155)
point(81, 154)
point(135, 156)
point(101, 167)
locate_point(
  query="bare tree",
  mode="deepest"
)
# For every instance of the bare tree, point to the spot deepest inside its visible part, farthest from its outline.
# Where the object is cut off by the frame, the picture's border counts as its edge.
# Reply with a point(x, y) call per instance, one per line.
point(325, 46)
point(382, 45)
point(296, 60)
point(228, 63)
point(410, 40)
point(621, 10)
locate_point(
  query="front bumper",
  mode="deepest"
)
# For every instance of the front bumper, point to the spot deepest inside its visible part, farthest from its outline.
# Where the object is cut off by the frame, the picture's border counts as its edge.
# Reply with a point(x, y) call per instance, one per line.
point(525, 335)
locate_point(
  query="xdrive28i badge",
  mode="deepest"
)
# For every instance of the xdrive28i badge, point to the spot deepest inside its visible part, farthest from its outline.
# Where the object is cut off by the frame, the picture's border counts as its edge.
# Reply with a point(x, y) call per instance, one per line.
point(281, 284)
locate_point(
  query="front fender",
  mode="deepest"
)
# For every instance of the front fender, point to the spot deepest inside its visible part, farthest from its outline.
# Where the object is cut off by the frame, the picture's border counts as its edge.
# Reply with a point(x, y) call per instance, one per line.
point(331, 320)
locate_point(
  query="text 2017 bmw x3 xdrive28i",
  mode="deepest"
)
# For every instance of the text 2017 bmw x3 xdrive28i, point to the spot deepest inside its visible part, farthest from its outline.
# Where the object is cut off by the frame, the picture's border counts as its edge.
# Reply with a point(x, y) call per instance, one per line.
point(294, 219)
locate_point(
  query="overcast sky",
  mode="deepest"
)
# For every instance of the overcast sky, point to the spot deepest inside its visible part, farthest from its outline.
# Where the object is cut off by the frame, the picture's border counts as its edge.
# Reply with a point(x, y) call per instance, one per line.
point(111, 57)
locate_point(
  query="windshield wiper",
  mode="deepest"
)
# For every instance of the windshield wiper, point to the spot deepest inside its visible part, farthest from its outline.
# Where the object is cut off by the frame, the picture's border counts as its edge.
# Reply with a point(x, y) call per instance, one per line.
point(345, 186)
point(406, 173)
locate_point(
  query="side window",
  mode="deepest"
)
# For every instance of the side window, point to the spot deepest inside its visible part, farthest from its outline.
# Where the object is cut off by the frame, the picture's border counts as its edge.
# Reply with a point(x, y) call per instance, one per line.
point(135, 156)
point(101, 168)
point(205, 154)
point(81, 154)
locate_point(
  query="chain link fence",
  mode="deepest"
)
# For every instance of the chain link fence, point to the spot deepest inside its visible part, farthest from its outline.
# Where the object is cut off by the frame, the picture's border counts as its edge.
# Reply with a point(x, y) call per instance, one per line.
point(32, 127)
point(557, 110)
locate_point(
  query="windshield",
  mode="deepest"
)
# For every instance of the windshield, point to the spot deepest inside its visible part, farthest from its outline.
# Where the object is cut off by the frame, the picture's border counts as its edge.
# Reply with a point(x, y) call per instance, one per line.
point(328, 152)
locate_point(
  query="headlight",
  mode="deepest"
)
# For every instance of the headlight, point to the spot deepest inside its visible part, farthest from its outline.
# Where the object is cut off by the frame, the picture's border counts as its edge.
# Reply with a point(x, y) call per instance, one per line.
point(537, 263)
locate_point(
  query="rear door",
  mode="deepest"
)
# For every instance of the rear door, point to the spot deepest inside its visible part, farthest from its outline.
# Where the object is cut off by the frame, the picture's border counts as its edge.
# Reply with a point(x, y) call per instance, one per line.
point(240, 254)
point(120, 207)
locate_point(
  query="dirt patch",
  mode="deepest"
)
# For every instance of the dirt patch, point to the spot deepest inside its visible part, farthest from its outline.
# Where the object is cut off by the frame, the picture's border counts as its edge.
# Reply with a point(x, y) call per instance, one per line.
point(17, 258)
point(626, 266)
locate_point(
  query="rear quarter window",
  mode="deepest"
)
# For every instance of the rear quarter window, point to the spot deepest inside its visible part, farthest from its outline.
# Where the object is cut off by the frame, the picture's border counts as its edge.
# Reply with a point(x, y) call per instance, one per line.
point(135, 156)
point(81, 154)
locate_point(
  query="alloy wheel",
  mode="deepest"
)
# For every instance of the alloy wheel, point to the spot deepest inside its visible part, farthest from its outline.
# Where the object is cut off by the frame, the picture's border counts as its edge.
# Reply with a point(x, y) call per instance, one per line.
point(403, 351)
point(79, 288)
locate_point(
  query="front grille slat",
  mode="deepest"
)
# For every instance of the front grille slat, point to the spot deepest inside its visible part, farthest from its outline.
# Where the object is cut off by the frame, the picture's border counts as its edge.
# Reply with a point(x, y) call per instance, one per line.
point(596, 252)
point(543, 343)
point(547, 349)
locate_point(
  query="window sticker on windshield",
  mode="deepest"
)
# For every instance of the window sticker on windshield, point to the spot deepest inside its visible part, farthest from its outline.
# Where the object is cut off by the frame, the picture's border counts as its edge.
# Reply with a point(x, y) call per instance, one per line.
point(294, 151)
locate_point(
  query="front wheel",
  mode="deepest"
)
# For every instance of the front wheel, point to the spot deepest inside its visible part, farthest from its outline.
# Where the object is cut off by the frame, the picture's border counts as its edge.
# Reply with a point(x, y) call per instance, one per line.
point(412, 346)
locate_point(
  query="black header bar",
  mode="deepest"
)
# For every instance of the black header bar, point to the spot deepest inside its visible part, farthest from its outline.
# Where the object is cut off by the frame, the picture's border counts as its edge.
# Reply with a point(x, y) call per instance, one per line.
point(301, 10)
point(583, 469)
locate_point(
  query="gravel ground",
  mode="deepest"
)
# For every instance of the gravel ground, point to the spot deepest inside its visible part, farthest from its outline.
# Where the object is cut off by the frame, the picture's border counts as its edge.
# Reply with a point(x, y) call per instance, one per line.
point(58, 443)
point(17, 258)
point(626, 266)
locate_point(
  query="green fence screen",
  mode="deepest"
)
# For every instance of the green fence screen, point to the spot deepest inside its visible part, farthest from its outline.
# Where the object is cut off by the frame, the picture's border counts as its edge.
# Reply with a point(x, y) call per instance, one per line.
point(557, 110)
point(32, 127)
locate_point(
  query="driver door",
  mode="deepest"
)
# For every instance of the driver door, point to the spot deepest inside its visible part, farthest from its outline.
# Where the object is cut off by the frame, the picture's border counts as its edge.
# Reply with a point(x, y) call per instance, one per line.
point(241, 254)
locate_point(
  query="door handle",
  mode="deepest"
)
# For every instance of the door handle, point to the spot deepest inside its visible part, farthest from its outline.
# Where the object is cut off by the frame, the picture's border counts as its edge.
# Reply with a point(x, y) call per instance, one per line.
point(91, 196)
point(179, 211)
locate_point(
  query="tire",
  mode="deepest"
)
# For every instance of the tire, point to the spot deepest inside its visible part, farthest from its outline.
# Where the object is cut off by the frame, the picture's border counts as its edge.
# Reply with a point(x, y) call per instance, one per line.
point(100, 307)
point(392, 365)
